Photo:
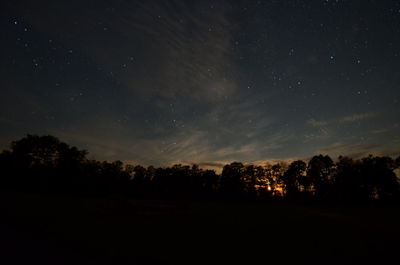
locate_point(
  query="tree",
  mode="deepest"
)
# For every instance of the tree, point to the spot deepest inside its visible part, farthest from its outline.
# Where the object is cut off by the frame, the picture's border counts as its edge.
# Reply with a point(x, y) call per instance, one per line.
point(46, 163)
point(250, 180)
point(232, 185)
point(275, 178)
point(397, 162)
point(46, 151)
point(319, 172)
point(292, 177)
point(380, 181)
point(209, 183)
point(348, 181)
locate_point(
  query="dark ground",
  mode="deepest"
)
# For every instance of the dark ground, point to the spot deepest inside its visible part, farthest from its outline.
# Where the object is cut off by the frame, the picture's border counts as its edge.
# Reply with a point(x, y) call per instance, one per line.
point(62, 230)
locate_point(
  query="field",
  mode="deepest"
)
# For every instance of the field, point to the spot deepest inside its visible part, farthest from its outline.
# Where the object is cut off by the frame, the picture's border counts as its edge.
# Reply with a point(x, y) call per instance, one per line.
point(63, 230)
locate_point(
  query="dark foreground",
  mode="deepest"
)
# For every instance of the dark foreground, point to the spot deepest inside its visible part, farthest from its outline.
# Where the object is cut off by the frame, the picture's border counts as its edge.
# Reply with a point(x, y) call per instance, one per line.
point(61, 230)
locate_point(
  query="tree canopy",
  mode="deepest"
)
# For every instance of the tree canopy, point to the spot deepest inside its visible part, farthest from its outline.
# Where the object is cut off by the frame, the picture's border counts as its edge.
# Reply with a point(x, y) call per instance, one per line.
point(45, 164)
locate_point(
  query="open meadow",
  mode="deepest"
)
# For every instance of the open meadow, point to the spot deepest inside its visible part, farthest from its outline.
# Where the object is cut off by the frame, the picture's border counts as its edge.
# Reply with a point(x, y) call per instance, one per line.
point(66, 230)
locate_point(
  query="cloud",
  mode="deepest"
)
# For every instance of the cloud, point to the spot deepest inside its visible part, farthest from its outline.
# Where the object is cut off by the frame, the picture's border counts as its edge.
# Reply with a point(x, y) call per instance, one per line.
point(315, 123)
point(322, 133)
point(356, 150)
point(190, 52)
point(164, 50)
point(323, 129)
point(380, 131)
point(320, 130)
point(272, 161)
point(358, 117)
point(345, 119)
point(210, 164)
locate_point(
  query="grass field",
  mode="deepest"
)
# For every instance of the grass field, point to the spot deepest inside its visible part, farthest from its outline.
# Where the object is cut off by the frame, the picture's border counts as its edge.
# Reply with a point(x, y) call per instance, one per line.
point(60, 230)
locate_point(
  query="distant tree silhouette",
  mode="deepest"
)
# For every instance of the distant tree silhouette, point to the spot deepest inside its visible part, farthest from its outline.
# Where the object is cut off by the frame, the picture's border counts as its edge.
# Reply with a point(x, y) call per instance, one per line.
point(270, 181)
point(348, 181)
point(45, 164)
point(319, 172)
point(232, 184)
point(209, 184)
point(250, 180)
point(292, 177)
point(139, 180)
point(380, 180)
point(397, 162)
point(276, 179)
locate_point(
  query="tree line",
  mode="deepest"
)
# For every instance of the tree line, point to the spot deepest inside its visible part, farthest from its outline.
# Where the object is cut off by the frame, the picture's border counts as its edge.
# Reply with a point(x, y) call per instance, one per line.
point(45, 164)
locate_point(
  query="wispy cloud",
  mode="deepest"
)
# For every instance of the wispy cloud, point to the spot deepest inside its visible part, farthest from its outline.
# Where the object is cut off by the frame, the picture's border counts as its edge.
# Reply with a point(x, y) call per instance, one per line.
point(380, 131)
point(183, 53)
point(272, 161)
point(358, 117)
point(355, 150)
point(320, 130)
point(315, 123)
point(345, 119)
point(323, 129)
point(196, 65)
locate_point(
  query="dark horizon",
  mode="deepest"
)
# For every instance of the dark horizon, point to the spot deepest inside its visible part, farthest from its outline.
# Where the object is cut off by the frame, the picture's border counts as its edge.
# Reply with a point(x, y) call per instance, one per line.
point(160, 83)
point(218, 165)
point(46, 165)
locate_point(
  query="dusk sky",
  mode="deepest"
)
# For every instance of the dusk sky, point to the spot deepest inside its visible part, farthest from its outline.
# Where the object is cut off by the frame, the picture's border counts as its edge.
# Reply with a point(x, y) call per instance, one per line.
point(207, 82)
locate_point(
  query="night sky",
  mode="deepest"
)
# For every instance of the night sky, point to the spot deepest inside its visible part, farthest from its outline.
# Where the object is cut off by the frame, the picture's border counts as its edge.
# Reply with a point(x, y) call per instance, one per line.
point(207, 82)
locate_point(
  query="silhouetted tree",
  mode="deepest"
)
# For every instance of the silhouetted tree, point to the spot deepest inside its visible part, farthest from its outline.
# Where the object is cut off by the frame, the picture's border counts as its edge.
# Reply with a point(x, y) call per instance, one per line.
point(380, 180)
point(292, 177)
point(45, 164)
point(348, 182)
point(276, 179)
point(250, 180)
point(397, 162)
point(232, 185)
point(210, 183)
point(319, 171)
